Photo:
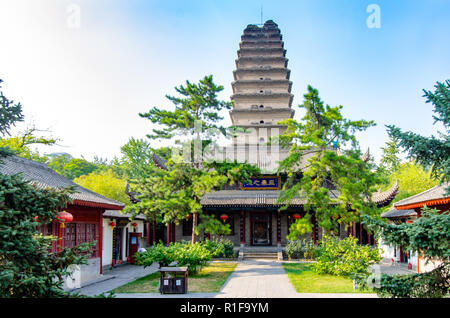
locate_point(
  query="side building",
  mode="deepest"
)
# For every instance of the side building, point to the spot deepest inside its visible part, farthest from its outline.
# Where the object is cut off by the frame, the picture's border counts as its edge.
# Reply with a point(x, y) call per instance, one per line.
point(87, 209)
point(407, 211)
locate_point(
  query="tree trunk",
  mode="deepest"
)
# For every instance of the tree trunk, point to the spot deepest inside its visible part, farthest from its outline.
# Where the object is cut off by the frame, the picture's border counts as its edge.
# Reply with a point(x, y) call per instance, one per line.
point(194, 226)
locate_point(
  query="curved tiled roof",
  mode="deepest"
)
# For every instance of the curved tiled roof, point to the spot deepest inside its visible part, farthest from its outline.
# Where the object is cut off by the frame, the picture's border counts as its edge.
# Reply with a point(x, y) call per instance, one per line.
point(393, 213)
point(40, 175)
point(437, 195)
point(384, 198)
point(256, 198)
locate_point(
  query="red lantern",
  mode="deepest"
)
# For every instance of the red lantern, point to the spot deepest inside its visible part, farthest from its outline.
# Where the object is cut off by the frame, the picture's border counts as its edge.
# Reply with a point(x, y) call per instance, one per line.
point(296, 216)
point(409, 222)
point(112, 224)
point(188, 217)
point(224, 217)
point(134, 225)
point(64, 217)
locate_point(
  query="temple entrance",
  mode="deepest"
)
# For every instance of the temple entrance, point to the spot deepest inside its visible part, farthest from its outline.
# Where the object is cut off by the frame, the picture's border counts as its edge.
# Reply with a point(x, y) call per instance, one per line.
point(261, 230)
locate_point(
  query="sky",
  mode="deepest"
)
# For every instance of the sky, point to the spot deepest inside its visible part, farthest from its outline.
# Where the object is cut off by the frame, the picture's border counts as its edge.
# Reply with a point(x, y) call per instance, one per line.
point(84, 69)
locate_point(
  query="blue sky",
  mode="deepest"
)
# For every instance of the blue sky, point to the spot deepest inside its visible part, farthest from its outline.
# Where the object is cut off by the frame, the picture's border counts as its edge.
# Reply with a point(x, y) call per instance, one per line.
point(88, 84)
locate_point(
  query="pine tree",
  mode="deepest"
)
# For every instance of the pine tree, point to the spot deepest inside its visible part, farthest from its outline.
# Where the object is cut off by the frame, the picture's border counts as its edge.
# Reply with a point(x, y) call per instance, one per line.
point(321, 136)
point(171, 195)
point(431, 151)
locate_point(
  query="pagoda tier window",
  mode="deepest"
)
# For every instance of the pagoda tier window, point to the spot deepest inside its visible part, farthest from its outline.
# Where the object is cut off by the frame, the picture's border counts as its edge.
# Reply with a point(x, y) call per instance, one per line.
point(261, 121)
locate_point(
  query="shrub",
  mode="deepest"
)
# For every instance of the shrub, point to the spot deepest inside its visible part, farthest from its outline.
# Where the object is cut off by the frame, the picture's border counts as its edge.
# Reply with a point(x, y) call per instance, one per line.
point(295, 249)
point(433, 284)
point(195, 256)
point(344, 257)
point(220, 247)
point(311, 250)
point(301, 249)
point(214, 247)
point(159, 253)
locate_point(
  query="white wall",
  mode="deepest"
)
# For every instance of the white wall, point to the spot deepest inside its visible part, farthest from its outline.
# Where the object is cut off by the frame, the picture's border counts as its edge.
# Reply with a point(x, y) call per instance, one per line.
point(387, 252)
point(107, 243)
point(107, 251)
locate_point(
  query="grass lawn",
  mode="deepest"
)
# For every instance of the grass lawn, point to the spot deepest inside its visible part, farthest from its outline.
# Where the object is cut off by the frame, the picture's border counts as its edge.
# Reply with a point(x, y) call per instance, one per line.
point(209, 280)
point(305, 280)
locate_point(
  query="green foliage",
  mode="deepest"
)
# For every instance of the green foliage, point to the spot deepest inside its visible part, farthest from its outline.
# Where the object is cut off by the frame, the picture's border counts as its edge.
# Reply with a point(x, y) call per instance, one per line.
point(159, 253)
point(390, 161)
point(136, 158)
point(21, 145)
point(171, 195)
point(433, 284)
point(300, 227)
point(106, 183)
point(195, 255)
point(27, 267)
point(295, 249)
point(429, 235)
point(219, 247)
point(344, 257)
point(10, 113)
point(198, 103)
point(431, 151)
point(71, 168)
point(318, 141)
point(299, 249)
point(412, 179)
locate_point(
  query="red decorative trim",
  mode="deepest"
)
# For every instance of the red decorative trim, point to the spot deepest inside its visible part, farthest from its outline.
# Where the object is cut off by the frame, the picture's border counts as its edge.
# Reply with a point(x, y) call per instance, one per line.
point(97, 205)
point(421, 204)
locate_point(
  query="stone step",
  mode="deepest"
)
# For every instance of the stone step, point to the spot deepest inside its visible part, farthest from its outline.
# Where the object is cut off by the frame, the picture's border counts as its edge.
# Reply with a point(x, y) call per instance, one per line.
point(270, 255)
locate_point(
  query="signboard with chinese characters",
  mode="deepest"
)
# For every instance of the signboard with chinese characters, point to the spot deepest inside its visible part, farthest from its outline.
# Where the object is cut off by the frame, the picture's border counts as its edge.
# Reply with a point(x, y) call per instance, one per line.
point(263, 183)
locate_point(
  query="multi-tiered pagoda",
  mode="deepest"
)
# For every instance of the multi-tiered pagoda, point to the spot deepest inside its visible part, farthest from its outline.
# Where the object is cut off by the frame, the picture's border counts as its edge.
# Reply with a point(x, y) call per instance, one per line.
point(261, 88)
point(262, 98)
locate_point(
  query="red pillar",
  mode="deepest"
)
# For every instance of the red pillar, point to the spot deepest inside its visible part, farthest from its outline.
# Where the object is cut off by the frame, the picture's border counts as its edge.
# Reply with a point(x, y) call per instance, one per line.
point(147, 224)
point(313, 219)
point(168, 233)
point(278, 228)
point(173, 232)
point(360, 232)
point(354, 229)
point(242, 227)
point(154, 232)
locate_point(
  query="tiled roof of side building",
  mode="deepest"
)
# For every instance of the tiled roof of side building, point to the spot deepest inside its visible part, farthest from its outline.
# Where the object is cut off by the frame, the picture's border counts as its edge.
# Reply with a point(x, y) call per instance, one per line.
point(393, 213)
point(418, 200)
point(119, 214)
point(42, 177)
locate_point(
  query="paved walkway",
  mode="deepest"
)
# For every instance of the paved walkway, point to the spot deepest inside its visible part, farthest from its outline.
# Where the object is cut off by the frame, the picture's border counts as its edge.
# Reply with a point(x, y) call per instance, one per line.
point(250, 279)
point(116, 277)
point(253, 279)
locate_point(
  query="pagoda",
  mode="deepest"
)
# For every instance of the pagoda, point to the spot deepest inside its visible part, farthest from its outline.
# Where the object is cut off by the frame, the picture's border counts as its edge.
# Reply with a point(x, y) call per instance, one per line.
point(261, 96)
point(261, 100)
